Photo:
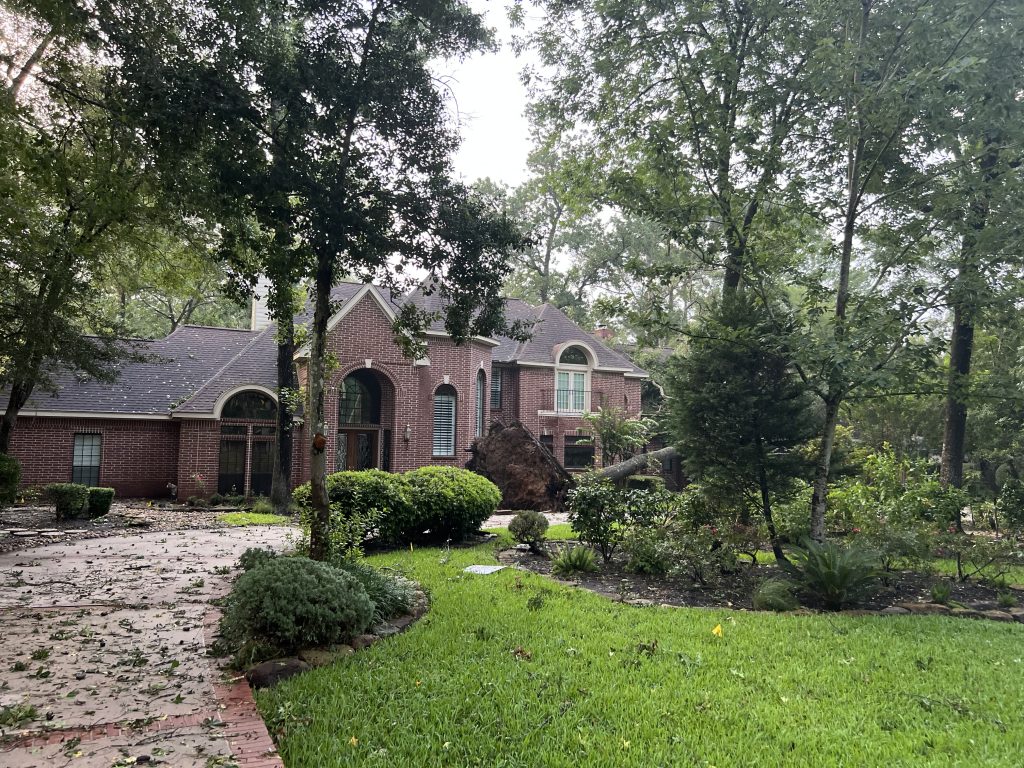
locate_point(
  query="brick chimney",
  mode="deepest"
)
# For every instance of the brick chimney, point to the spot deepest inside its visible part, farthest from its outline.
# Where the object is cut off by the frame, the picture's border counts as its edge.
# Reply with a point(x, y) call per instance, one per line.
point(259, 318)
point(604, 333)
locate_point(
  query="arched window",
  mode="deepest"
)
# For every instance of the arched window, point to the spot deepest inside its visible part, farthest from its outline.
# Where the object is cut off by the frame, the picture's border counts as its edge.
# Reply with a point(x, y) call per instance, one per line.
point(572, 380)
point(250, 405)
point(247, 435)
point(444, 421)
point(481, 390)
point(359, 399)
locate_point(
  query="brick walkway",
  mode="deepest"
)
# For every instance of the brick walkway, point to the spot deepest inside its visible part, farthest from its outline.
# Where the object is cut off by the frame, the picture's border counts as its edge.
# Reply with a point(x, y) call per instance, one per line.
point(104, 653)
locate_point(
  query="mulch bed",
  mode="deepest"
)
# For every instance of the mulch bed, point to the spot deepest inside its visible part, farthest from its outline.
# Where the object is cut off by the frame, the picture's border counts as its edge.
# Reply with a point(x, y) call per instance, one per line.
point(736, 590)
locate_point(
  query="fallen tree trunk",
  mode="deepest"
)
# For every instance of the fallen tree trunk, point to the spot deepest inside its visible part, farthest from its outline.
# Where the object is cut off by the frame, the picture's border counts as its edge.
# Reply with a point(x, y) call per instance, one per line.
point(638, 463)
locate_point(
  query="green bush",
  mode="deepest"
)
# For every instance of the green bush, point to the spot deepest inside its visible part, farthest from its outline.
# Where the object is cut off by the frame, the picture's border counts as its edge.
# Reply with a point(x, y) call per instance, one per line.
point(1010, 504)
point(254, 557)
point(377, 500)
point(10, 476)
point(942, 591)
point(835, 575)
point(391, 595)
point(288, 603)
point(573, 560)
point(100, 500)
point(454, 502)
point(648, 551)
point(645, 483)
point(598, 512)
point(529, 527)
point(196, 501)
point(70, 499)
point(979, 556)
point(216, 500)
point(261, 506)
point(775, 595)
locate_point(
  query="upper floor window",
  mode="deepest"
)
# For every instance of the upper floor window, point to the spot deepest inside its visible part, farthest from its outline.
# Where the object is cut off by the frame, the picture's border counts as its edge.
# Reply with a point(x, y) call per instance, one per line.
point(481, 393)
point(444, 421)
point(359, 399)
point(250, 404)
point(572, 380)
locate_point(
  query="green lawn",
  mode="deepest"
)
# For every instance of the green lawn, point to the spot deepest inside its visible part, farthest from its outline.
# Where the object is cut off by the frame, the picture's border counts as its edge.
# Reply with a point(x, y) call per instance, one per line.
point(253, 518)
point(556, 532)
point(513, 670)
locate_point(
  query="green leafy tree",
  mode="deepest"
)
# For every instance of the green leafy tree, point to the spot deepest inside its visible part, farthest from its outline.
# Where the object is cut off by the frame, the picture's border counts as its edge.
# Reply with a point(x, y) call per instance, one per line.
point(618, 434)
point(737, 411)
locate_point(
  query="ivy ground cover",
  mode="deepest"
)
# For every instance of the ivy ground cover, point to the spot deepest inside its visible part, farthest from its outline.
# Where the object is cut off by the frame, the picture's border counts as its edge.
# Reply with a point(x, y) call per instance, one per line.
point(513, 669)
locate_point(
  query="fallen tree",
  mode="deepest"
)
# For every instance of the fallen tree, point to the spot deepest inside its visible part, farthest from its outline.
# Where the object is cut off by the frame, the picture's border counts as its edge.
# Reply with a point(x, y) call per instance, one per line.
point(636, 464)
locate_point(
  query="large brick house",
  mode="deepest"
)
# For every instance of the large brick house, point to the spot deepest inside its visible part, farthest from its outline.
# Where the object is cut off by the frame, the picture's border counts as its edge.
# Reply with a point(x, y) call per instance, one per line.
point(200, 411)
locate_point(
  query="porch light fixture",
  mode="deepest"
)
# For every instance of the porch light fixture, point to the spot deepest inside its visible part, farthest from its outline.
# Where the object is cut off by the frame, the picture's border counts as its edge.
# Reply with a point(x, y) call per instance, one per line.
point(408, 432)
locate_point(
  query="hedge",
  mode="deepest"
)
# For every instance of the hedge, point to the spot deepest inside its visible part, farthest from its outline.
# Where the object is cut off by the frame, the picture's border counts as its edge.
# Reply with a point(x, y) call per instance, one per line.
point(10, 476)
point(70, 499)
point(100, 500)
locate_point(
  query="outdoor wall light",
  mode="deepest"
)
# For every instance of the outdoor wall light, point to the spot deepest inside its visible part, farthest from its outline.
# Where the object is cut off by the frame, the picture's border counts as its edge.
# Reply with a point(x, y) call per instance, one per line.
point(408, 432)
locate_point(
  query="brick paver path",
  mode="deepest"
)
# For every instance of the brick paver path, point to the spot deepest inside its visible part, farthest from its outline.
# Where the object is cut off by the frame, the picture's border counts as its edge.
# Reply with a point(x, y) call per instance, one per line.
point(103, 652)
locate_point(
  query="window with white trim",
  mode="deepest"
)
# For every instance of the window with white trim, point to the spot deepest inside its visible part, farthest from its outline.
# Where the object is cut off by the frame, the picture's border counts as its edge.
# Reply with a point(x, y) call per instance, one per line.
point(85, 462)
point(572, 380)
point(481, 393)
point(444, 421)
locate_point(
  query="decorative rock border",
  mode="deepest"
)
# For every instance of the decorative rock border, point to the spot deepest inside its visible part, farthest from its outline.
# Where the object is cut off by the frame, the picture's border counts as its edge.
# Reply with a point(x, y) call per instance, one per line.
point(269, 673)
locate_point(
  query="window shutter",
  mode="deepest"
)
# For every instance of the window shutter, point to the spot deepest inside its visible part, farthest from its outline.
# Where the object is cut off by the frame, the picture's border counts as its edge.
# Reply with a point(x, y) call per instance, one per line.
point(495, 388)
point(444, 425)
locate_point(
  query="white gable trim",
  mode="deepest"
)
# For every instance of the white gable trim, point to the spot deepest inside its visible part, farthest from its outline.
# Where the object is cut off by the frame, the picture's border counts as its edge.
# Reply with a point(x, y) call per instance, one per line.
point(225, 396)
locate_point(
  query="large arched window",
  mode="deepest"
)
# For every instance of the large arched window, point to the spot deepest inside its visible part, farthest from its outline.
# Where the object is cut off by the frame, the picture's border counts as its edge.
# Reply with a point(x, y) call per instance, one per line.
point(359, 399)
point(572, 380)
point(481, 391)
point(444, 421)
point(247, 434)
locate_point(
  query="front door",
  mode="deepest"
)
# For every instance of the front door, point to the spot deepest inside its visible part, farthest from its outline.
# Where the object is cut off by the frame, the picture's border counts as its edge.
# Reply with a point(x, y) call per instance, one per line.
point(358, 448)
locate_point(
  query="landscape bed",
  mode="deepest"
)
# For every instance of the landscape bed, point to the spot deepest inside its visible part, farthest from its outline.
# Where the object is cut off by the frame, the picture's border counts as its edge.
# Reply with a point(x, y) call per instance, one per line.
point(513, 669)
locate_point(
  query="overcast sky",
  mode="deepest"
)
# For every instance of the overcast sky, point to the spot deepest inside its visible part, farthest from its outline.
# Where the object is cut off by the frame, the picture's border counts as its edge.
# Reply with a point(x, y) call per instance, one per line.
point(490, 100)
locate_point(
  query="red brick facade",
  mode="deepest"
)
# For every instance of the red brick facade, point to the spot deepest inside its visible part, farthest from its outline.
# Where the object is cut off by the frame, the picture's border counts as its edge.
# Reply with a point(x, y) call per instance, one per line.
point(141, 456)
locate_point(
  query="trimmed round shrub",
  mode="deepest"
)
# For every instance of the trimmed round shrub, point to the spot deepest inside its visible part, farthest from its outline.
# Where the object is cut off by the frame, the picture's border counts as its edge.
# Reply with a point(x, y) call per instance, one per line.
point(529, 527)
point(10, 476)
point(289, 603)
point(453, 502)
point(351, 494)
point(70, 499)
point(100, 500)
point(775, 595)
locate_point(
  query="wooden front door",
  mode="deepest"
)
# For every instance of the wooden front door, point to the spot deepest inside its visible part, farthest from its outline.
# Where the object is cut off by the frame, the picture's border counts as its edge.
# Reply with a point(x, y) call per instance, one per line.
point(358, 448)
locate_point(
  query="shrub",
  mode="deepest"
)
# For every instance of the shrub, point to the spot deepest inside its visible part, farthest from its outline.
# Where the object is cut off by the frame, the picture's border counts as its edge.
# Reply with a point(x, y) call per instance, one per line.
point(835, 575)
point(574, 560)
point(261, 506)
point(391, 595)
point(598, 512)
point(196, 501)
point(906, 544)
point(775, 595)
point(290, 603)
point(645, 483)
point(1010, 504)
point(234, 500)
point(216, 500)
point(648, 550)
point(1007, 600)
point(454, 502)
point(70, 499)
point(942, 591)
point(355, 495)
point(529, 527)
point(100, 500)
point(10, 476)
point(254, 557)
point(979, 555)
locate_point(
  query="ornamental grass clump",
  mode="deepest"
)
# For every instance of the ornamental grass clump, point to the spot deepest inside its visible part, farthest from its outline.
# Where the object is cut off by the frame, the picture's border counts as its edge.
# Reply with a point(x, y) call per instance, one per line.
point(391, 594)
point(528, 528)
point(289, 603)
point(776, 595)
point(574, 560)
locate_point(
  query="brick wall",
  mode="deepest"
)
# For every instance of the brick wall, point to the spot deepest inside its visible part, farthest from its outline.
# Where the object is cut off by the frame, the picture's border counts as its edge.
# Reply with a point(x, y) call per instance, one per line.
point(138, 456)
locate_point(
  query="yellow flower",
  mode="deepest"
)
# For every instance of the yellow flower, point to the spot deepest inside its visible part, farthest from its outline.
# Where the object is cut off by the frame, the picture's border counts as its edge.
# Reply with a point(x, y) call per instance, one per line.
point(353, 741)
point(625, 744)
point(418, 683)
point(717, 631)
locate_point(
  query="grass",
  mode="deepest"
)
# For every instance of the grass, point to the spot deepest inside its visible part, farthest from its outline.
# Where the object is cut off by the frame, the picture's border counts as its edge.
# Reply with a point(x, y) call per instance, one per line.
point(556, 532)
point(252, 518)
point(514, 670)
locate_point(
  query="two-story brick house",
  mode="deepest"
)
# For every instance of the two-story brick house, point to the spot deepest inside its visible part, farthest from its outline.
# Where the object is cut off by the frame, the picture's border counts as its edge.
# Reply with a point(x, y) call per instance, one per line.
point(200, 411)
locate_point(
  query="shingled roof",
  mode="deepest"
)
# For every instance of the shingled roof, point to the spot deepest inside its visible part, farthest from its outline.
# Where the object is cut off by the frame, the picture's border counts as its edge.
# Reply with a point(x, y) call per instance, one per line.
point(190, 370)
point(176, 367)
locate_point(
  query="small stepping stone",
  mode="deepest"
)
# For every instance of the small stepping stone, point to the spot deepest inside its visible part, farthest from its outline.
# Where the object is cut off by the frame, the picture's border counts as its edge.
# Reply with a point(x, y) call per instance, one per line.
point(75, 530)
point(25, 534)
point(483, 570)
point(51, 534)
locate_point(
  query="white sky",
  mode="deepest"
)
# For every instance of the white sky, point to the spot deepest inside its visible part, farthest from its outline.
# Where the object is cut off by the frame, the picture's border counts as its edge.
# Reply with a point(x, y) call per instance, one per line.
point(490, 99)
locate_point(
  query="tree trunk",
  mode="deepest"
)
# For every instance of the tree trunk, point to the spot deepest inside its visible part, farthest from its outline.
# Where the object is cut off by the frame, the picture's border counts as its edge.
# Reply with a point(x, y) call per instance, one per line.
point(280, 494)
point(636, 464)
point(20, 392)
point(819, 495)
point(766, 507)
point(960, 349)
point(319, 544)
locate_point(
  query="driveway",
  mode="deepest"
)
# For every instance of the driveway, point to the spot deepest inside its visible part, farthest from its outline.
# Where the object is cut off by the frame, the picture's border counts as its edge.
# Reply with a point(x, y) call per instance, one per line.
point(103, 653)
